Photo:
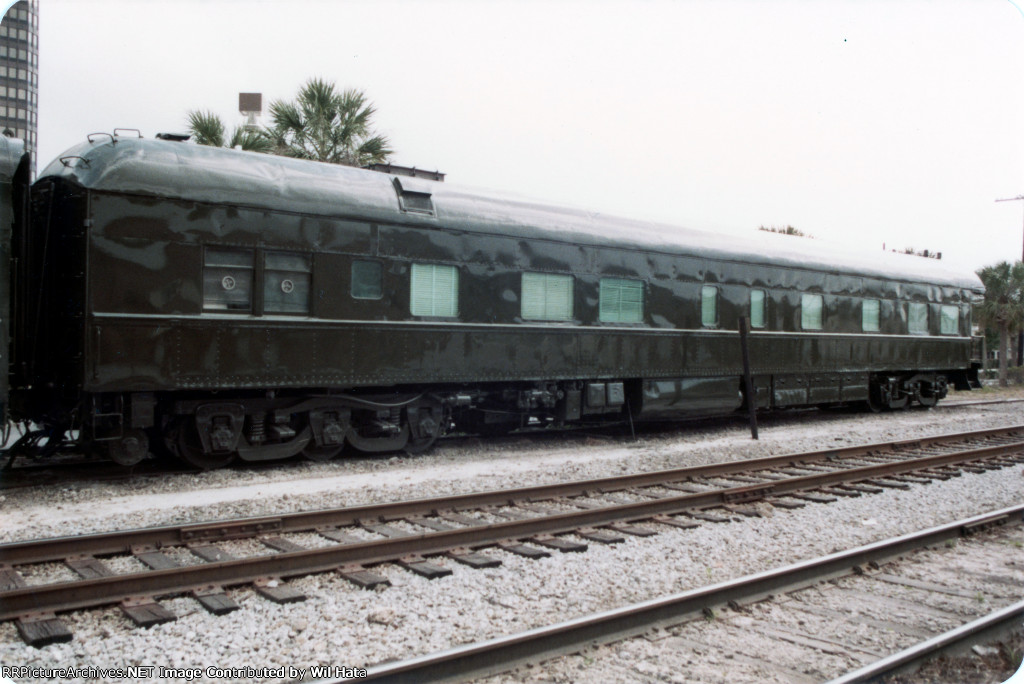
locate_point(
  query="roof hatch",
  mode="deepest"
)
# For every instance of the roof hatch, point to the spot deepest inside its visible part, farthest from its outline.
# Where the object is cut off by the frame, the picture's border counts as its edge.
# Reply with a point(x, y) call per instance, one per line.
point(414, 196)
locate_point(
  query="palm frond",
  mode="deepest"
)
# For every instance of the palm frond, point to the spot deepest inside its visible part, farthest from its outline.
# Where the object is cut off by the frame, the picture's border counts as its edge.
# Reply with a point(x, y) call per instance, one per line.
point(206, 128)
point(251, 140)
point(373, 150)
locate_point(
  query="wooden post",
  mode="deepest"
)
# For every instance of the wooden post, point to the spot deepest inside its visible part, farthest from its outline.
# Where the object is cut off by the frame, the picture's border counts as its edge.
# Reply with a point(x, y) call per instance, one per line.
point(748, 381)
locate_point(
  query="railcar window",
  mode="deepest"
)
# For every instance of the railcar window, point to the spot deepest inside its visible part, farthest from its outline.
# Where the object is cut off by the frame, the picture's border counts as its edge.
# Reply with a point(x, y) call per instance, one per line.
point(547, 297)
point(949, 319)
point(811, 308)
point(869, 315)
point(709, 306)
point(757, 298)
point(435, 290)
point(367, 280)
point(227, 279)
point(286, 278)
point(621, 301)
point(917, 318)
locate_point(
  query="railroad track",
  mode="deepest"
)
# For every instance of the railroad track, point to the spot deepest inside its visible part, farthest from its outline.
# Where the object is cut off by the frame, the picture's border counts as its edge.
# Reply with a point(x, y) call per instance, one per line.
point(201, 560)
point(855, 615)
point(976, 402)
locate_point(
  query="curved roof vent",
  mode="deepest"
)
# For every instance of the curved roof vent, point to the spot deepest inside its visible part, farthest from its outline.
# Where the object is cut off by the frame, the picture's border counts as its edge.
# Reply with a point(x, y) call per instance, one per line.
point(414, 196)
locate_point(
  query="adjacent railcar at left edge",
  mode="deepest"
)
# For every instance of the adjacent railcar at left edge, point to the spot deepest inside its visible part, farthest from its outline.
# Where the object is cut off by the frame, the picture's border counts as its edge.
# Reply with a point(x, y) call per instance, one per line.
point(14, 185)
point(220, 305)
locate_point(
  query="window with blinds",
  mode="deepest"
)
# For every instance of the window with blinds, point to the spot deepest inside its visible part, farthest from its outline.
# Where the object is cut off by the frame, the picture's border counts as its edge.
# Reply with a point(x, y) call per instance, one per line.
point(228, 279)
point(917, 318)
point(286, 281)
point(757, 299)
point(811, 311)
point(621, 301)
point(434, 290)
point(869, 315)
point(547, 297)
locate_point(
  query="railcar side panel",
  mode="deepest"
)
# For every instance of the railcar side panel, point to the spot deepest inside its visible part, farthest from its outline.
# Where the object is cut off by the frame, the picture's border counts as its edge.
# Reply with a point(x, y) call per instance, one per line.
point(133, 354)
point(136, 275)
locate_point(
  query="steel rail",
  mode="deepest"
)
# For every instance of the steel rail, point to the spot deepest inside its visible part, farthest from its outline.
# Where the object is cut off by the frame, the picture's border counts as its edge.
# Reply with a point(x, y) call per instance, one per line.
point(504, 653)
point(64, 596)
point(101, 544)
point(990, 627)
point(977, 402)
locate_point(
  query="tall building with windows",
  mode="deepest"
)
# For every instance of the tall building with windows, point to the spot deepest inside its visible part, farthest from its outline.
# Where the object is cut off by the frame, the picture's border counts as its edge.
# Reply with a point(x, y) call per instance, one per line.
point(19, 74)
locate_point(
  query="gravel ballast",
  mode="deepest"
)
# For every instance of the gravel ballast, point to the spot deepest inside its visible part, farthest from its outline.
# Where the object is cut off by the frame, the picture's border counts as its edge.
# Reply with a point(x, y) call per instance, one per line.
point(341, 625)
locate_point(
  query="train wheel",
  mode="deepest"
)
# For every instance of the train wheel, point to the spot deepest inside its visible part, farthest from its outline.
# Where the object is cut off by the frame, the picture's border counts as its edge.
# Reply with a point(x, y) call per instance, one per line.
point(162, 443)
point(377, 445)
point(190, 449)
point(874, 404)
point(428, 424)
point(931, 392)
point(421, 444)
point(901, 403)
point(321, 454)
point(131, 448)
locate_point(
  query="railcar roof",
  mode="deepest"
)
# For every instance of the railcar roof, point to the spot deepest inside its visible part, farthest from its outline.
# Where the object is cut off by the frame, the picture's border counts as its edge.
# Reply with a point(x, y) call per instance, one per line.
point(208, 174)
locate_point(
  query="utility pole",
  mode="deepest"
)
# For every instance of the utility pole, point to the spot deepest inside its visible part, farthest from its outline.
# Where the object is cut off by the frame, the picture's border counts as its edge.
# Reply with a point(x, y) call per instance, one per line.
point(1020, 337)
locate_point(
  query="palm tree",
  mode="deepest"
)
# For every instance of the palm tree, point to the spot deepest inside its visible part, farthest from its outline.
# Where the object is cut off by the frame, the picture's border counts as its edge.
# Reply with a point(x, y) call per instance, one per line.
point(327, 125)
point(208, 129)
point(1003, 308)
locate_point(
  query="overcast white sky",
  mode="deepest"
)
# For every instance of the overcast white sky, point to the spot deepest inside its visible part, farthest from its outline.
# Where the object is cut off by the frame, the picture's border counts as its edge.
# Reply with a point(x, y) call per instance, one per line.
point(858, 122)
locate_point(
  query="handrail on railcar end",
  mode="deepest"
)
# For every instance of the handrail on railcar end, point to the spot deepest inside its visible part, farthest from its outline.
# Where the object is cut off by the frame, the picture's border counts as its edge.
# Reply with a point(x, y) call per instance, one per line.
point(978, 348)
point(67, 161)
point(109, 135)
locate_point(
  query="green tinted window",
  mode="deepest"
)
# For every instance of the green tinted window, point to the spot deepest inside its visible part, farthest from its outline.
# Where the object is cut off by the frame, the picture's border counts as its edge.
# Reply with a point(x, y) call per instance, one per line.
point(546, 297)
point(811, 306)
point(869, 315)
point(367, 280)
point(949, 320)
point(622, 301)
point(757, 298)
point(435, 290)
point(709, 306)
point(917, 318)
point(286, 279)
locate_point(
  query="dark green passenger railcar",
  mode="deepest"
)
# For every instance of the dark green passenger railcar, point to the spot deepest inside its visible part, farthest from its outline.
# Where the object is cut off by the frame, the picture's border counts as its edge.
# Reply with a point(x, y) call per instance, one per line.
point(228, 304)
